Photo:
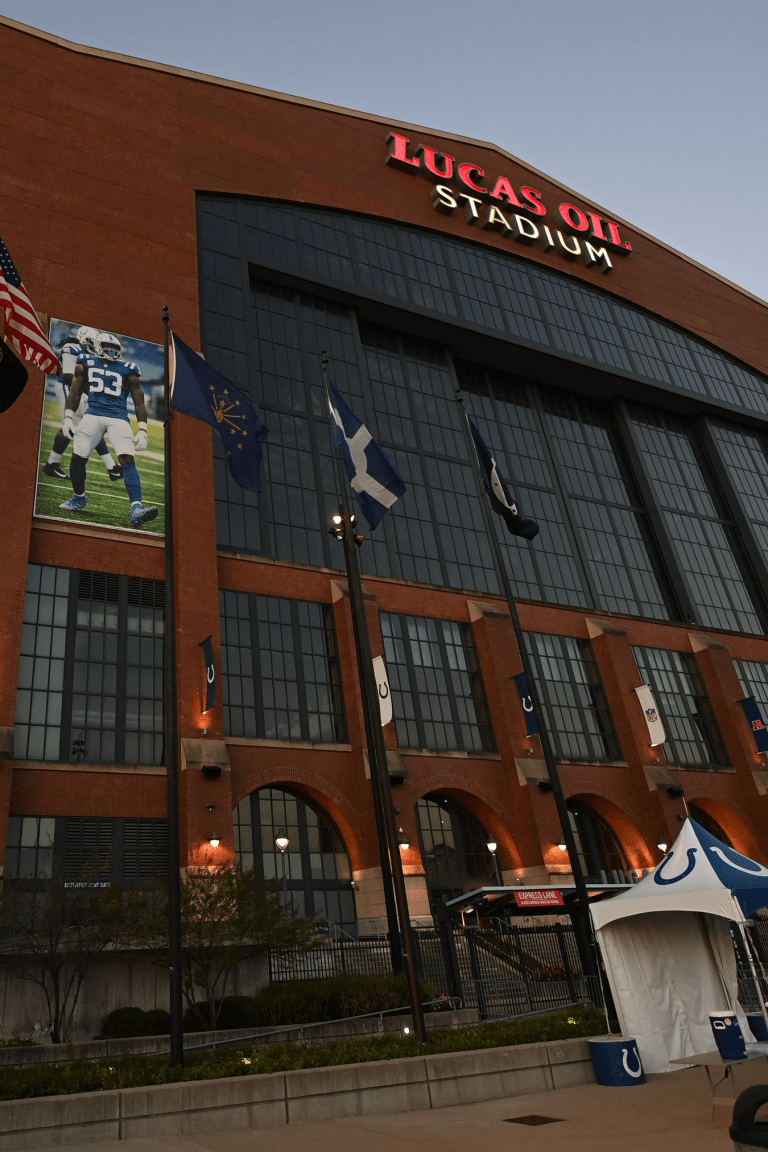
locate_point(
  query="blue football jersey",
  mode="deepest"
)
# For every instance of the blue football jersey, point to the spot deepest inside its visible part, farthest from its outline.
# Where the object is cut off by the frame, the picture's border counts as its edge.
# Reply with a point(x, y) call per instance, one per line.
point(107, 382)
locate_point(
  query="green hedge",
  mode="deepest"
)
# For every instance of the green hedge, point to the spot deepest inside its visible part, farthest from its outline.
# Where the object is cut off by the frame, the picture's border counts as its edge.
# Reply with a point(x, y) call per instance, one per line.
point(307, 1001)
point(249, 1060)
point(127, 1022)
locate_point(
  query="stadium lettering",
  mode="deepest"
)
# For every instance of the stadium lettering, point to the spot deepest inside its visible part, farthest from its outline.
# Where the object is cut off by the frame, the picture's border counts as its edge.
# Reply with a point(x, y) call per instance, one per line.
point(495, 204)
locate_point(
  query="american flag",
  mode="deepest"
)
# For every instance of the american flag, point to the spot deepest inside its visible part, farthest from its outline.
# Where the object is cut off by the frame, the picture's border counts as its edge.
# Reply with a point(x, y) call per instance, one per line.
point(21, 323)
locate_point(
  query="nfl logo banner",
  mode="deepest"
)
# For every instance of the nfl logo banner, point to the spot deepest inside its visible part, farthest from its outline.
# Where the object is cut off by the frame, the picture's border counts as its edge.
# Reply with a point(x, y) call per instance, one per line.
point(656, 733)
point(757, 724)
point(531, 726)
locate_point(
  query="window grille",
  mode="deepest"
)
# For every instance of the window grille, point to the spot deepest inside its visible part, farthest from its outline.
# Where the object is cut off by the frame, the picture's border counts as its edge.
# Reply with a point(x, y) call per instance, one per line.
point(90, 684)
point(438, 697)
point(572, 696)
point(87, 850)
point(280, 669)
point(315, 866)
point(693, 735)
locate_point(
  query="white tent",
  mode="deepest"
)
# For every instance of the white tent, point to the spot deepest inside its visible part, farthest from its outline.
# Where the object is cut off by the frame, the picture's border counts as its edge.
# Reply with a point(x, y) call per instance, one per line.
point(667, 947)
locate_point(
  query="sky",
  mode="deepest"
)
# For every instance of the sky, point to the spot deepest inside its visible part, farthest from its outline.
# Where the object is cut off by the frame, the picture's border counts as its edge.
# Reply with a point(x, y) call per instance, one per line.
point(655, 109)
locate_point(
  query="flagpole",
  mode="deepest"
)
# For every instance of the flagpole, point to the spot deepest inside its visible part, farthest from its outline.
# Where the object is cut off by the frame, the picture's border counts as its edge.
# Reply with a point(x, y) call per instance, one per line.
point(402, 943)
point(584, 944)
point(171, 742)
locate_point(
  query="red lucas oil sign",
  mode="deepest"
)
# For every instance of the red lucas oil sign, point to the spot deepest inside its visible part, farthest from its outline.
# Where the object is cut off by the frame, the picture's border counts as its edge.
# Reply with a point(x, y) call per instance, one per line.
point(518, 214)
point(538, 897)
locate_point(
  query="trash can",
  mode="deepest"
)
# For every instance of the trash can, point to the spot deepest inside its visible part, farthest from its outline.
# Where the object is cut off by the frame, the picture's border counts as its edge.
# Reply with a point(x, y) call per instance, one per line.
point(757, 1026)
point(617, 1061)
point(747, 1133)
point(728, 1035)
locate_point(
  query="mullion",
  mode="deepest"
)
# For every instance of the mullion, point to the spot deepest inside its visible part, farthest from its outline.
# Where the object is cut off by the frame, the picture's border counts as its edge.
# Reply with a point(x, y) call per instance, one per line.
point(65, 740)
point(266, 541)
point(447, 673)
point(411, 666)
point(633, 506)
point(424, 454)
point(258, 688)
point(122, 667)
point(314, 422)
point(561, 494)
point(552, 492)
point(298, 656)
point(306, 872)
point(390, 541)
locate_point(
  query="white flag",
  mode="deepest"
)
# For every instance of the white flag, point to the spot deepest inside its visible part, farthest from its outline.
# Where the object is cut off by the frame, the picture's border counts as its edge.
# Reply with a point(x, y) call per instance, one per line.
point(382, 686)
point(656, 732)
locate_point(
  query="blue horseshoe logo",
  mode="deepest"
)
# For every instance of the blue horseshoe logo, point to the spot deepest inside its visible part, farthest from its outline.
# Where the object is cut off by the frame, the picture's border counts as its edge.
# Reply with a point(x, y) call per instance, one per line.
point(657, 876)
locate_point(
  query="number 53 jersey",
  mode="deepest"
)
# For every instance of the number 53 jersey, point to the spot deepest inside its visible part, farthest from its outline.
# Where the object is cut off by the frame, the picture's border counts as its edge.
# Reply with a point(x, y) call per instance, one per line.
point(107, 383)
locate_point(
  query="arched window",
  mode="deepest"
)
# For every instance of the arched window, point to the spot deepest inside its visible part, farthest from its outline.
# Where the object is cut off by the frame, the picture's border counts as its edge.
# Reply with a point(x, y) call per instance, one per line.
point(602, 856)
point(317, 875)
point(454, 849)
point(709, 824)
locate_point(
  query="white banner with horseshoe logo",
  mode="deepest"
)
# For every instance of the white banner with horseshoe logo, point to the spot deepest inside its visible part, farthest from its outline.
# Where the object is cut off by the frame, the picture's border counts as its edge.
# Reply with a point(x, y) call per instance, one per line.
point(382, 687)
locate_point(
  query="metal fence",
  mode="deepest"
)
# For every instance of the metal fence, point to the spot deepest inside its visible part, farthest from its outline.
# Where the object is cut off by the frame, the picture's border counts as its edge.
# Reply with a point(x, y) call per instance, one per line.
point(500, 969)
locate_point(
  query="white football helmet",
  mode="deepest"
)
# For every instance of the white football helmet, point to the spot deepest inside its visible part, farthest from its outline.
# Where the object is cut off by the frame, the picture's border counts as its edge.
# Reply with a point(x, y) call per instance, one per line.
point(108, 346)
point(87, 337)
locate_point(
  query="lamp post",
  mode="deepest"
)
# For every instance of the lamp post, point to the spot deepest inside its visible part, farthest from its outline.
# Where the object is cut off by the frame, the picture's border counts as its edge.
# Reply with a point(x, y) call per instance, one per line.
point(492, 846)
point(281, 843)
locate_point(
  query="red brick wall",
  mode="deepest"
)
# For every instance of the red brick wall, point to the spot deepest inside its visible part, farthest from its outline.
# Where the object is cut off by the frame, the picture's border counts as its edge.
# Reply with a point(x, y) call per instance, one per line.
point(100, 162)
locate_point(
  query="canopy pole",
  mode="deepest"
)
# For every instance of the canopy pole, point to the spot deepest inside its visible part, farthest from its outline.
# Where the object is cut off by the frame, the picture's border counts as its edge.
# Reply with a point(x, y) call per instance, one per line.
point(755, 977)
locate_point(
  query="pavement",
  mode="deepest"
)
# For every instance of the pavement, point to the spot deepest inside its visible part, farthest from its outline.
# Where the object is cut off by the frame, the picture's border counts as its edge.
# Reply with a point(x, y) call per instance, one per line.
point(670, 1113)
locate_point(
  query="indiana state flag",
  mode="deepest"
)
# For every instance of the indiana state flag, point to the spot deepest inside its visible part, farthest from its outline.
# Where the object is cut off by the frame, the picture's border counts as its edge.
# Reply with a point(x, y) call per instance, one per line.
point(499, 494)
point(200, 391)
point(374, 478)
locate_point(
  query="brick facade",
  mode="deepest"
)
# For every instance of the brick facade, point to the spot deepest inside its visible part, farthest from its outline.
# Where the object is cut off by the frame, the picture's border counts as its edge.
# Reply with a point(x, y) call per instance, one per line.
point(100, 161)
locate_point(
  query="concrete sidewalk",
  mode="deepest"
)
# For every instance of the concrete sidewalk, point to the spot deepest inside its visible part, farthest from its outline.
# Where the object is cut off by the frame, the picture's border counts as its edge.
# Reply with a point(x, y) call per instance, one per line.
point(671, 1112)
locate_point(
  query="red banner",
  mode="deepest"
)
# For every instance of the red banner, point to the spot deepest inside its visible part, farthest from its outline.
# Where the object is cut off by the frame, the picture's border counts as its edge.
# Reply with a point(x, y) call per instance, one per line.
point(538, 897)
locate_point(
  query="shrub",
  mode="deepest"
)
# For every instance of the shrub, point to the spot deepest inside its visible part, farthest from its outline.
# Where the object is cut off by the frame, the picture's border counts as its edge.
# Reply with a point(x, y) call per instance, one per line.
point(127, 1022)
point(307, 1001)
point(158, 1022)
point(137, 1071)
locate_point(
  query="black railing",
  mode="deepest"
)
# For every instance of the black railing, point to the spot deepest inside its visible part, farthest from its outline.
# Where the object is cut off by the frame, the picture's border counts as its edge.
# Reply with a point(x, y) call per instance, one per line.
point(500, 969)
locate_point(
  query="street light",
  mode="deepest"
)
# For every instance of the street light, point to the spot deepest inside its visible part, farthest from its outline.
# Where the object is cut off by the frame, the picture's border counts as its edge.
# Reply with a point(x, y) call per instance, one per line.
point(491, 845)
point(661, 844)
point(281, 843)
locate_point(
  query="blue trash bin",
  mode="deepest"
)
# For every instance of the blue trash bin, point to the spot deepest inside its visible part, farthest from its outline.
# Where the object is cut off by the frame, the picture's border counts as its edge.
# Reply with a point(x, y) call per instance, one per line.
point(728, 1035)
point(617, 1061)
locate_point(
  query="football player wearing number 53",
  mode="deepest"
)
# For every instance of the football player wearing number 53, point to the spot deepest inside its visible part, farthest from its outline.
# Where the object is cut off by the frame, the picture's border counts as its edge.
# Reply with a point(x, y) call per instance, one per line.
point(107, 379)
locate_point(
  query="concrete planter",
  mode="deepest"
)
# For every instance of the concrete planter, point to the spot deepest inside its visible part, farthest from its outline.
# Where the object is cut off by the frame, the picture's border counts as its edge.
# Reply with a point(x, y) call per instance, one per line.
point(149, 1045)
point(376, 1088)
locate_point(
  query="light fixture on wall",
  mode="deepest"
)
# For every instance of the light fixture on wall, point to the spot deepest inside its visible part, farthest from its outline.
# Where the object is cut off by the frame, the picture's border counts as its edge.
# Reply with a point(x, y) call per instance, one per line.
point(214, 840)
point(661, 844)
point(562, 845)
point(404, 840)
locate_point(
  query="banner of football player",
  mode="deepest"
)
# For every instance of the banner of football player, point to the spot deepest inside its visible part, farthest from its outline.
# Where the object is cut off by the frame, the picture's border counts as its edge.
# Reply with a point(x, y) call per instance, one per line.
point(101, 443)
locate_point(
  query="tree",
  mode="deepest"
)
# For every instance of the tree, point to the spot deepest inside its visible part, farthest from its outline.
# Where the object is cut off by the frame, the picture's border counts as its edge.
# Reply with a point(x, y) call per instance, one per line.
point(55, 937)
point(228, 915)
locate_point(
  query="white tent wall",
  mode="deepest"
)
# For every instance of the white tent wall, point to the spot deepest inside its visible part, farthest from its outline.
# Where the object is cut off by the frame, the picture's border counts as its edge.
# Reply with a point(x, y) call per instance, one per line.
point(667, 972)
